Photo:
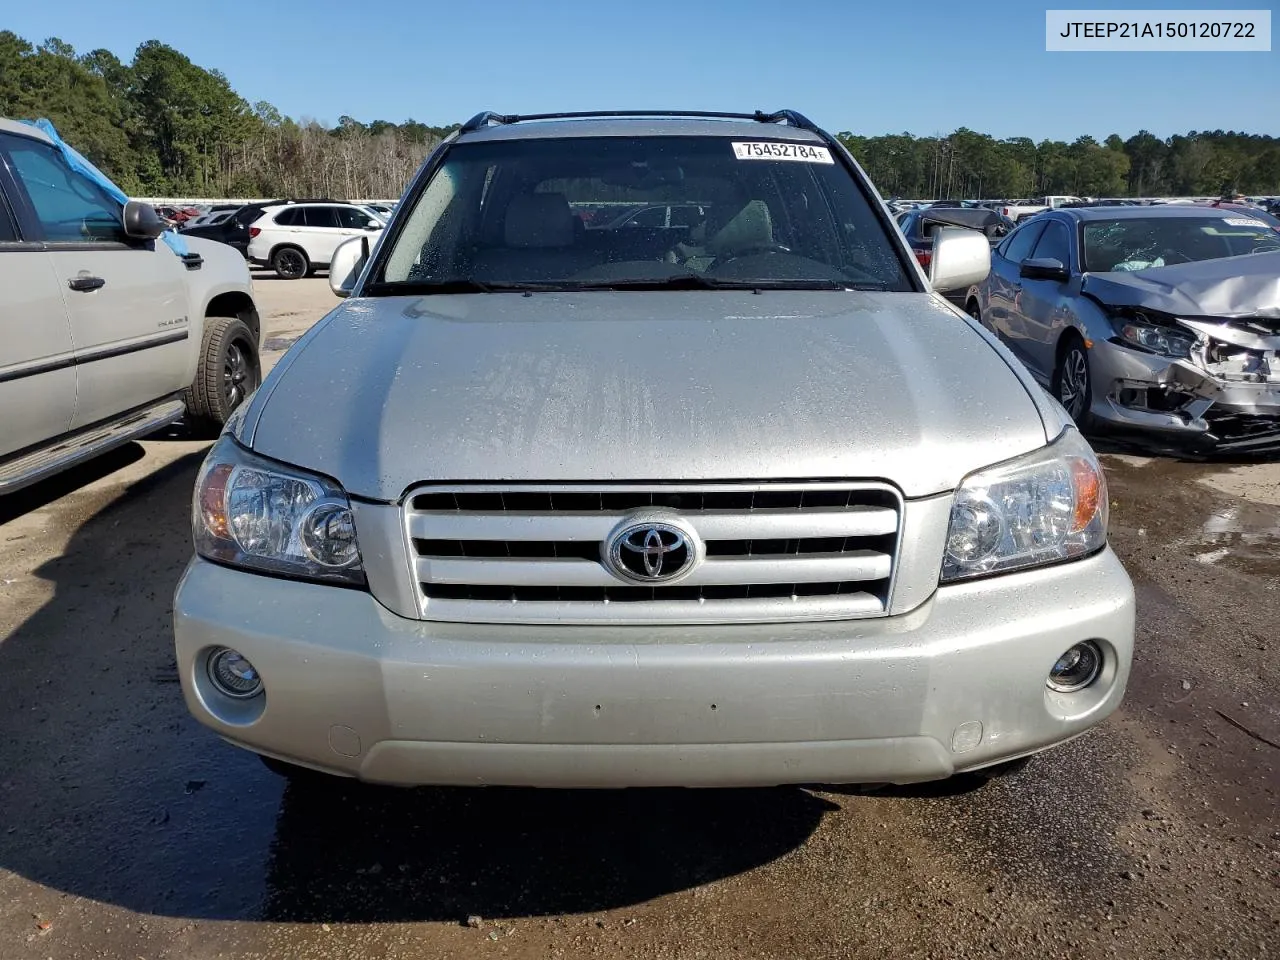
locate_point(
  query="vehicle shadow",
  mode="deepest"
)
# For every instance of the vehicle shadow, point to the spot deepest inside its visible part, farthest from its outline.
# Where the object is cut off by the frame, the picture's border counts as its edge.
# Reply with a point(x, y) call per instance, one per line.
point(111, 792)
point(1138, 445)
point(38, 495)
point(449, 853)
point(271, 275)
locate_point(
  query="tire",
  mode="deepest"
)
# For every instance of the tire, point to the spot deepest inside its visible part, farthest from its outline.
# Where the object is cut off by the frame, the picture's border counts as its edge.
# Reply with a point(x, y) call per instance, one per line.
point(1072, 382)
point(290, 263)
point(227, 372)
point(971, 308)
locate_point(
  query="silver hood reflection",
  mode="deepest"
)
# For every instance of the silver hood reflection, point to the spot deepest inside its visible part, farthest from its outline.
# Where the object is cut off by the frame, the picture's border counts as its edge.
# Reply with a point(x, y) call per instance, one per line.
point(389, 392)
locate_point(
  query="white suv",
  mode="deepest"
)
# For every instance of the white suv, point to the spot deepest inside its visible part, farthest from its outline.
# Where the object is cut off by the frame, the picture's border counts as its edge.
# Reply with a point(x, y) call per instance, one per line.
point(295, 239)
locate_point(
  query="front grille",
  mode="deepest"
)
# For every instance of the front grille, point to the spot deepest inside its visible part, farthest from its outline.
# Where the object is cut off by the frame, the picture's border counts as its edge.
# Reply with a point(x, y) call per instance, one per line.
point(771, 552)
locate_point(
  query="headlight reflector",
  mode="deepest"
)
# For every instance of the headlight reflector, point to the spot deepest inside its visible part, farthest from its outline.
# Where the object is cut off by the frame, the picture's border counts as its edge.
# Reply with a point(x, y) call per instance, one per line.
point(329, 535)
point(1136, 329)
point(253, 513)
point(1042, 508)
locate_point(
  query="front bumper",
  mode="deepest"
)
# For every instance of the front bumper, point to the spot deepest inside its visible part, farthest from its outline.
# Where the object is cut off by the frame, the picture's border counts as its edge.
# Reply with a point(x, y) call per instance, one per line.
point(1196, 409)
point(957, 684)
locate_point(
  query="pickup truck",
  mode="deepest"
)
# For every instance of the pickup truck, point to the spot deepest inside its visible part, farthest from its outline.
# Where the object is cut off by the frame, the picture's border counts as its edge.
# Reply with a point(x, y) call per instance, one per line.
point(1019, 210)
point(107, 333)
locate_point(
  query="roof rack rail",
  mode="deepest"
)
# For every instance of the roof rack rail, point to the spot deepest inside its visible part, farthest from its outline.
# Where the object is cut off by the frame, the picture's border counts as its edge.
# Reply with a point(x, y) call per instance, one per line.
point(792, 117)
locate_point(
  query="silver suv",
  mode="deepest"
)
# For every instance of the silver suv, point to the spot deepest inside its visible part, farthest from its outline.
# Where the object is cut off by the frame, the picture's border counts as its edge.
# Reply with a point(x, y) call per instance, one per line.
point(738, 501)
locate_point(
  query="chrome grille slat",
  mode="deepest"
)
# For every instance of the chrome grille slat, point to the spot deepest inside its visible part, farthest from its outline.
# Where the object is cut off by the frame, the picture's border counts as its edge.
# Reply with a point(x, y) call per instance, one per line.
point(529, 553)
point(853, 565)
point(854, 521)
point(835, 607)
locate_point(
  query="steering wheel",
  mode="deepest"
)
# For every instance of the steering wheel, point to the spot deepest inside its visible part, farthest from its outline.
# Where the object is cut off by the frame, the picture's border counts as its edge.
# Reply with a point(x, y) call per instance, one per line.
point(1168, 253)
point(754, 249)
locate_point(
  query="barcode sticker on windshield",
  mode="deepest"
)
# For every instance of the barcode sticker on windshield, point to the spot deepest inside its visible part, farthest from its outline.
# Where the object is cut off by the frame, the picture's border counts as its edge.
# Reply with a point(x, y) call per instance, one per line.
point(804, 152)
point(1243, 222)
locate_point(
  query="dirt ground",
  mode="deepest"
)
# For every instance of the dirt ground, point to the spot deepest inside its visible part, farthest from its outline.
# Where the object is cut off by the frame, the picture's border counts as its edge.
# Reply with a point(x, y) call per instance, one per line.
point(129, 831)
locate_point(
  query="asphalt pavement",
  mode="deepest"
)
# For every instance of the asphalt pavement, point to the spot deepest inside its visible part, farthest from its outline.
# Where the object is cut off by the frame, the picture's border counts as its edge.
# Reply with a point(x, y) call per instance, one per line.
point(129, 831)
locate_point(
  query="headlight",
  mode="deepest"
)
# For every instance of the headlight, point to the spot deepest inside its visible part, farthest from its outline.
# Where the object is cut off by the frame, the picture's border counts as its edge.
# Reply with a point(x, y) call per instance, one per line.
point(1042, 508)
point(1166, 341)
point(254, 513)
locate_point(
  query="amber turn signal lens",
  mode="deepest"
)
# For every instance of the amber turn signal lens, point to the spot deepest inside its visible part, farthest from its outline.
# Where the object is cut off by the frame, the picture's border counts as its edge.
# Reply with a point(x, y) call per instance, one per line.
point(213, 500)
point(1090, 490)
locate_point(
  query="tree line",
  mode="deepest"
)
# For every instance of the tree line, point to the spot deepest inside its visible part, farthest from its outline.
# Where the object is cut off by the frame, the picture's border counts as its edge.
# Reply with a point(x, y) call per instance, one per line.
point(970, 164)
point(164, 126)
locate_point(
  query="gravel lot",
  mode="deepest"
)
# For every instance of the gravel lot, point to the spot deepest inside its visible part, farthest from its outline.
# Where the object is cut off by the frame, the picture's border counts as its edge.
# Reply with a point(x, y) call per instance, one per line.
point(128, 831)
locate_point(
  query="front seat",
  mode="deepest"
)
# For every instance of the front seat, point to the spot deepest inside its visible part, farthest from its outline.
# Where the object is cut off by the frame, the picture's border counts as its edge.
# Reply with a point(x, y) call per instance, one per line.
point(537, 242)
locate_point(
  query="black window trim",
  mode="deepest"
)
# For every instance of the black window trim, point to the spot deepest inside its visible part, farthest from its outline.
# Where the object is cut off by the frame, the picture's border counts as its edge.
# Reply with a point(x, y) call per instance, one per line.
point(333, 213)
point(1030, 224)
point(1048, 223)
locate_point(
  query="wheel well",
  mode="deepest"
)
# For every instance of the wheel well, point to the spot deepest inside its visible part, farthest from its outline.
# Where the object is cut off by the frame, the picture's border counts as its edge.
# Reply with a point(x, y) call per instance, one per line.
point(1063, 340)
point(284, 246)
point(236, 304)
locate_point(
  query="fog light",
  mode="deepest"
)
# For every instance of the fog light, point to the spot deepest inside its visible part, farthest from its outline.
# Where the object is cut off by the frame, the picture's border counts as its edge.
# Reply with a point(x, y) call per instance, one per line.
point(1077, 668)
point(233, 674)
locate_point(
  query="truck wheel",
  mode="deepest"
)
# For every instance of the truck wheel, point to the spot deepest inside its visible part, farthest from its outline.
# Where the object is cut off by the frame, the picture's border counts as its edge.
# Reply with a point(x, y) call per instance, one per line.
point(290, 263)
point(227, 372)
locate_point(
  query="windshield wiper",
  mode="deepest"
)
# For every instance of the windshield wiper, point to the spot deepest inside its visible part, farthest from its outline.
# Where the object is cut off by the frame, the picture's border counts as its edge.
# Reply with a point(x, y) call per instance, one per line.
point(698, 281)
point(400, 288)
point(683, 281)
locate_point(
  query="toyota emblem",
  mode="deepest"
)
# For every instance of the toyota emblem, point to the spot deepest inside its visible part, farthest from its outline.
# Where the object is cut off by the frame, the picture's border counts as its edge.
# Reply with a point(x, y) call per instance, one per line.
point(648, 551)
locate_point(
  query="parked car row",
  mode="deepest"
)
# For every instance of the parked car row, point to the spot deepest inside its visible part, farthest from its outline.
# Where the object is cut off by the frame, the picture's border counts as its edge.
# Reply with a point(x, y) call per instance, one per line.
point(295, 239)
point(293, 243)
point(1019, 209)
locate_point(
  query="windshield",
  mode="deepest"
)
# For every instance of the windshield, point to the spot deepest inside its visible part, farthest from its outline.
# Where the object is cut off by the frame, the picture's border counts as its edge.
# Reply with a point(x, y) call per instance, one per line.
point(578, 213)
point(1142, 242)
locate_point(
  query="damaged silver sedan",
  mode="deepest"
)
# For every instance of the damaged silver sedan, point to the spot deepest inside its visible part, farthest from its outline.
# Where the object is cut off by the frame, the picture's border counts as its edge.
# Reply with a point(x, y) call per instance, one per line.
point(1164, 320)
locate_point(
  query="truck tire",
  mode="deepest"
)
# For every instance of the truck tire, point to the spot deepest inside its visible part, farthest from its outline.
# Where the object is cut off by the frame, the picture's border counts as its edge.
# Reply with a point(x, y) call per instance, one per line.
point(290, 263)
point(227, 372)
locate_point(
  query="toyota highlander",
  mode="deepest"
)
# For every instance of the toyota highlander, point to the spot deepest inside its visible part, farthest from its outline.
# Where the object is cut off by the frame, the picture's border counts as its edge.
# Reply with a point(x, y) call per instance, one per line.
point(733, 498)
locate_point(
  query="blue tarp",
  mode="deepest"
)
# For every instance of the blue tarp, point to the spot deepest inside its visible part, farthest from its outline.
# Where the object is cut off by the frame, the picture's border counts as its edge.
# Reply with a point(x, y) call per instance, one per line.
point(175, 242)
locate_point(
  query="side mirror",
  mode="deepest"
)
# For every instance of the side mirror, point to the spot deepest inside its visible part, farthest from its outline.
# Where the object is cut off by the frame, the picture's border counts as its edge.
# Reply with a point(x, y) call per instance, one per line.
point(373, 226)
point(142, 221)
point(961, 258)
point(1044, 268)
point(346, 264)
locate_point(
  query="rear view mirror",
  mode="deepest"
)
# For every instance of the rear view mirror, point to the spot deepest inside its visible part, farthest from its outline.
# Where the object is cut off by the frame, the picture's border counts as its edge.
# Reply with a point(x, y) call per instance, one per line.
point(142, 221)
point(961, 258)
point(347, 264)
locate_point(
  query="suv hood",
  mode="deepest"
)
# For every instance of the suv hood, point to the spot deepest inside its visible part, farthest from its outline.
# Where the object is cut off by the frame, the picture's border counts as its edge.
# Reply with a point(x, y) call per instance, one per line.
point(696, 385)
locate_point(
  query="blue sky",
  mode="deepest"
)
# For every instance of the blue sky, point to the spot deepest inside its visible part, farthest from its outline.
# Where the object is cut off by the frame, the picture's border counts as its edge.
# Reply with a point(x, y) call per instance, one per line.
point(883, 67)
